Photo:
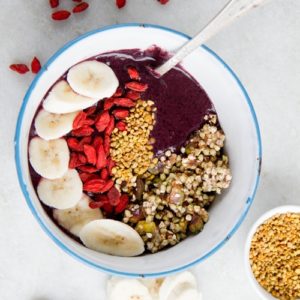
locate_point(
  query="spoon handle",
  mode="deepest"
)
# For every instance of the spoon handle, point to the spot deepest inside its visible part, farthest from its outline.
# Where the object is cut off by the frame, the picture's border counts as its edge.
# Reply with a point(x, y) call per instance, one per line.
point(230, 12)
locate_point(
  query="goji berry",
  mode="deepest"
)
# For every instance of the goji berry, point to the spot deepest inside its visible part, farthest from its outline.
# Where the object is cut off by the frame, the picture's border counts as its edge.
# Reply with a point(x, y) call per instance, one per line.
point(95, 204)
point(79, 120)
point(108, 103)
point(101, 159)
point(133, 95)
point(110, 127)
point(89, 111)
point(90, 154)
point(136, 86)
point(87, 176)
point(54, 3)
point(19, 68)
point(120, 113)
point(125, 102)
point(84, 141)
point(82, 158)
point(89, 122)
point(80, 7)
point(104, 174)
point(163, 1)
point(97, 142)
point(123, 201)
point(108, 185)
point(61, 15)
point(73, 144)
point(113, 196)
point(133, 73)
point(93, 185)
point(76, 0)
point(102, 121)
point(106, 144)
point(110, 165)
point(121, 126)
point(120, 3)
point(74, 161)
point(107, 207)
point(87, 169)
point(118, 92)
point(35, 65)
point(83, 131)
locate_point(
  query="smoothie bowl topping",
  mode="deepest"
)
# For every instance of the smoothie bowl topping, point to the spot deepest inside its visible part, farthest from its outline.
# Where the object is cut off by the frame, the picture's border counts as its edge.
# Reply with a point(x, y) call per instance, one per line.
point(125, 162)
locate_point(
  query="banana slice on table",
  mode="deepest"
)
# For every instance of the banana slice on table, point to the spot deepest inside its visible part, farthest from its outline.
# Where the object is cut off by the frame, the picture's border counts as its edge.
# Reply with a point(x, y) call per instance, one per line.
point(127, 289)
point(62, 99)
point(93, 79)
point(51, 126)
point(112, 237)
point(174, 286)
point(61, 193)
point(74, 218)
point(50, 159)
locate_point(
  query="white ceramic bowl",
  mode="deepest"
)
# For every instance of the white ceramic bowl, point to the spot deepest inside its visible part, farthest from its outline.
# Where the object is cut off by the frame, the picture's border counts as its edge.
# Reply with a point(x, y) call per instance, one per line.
point(236, 115)
point(278, 210)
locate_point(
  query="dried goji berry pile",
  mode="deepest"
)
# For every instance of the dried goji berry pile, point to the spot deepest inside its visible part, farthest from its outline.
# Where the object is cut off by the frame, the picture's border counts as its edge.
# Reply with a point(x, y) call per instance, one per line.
point(89, 144)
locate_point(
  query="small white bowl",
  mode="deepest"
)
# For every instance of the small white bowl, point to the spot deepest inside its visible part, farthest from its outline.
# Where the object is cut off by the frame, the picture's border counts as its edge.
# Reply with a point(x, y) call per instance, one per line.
point(269, 214)
point(236, 115)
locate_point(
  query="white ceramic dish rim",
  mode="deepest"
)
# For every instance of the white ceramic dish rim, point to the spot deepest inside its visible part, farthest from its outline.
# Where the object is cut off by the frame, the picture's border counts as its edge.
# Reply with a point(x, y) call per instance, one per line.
point(267, 215)
point(23, 183)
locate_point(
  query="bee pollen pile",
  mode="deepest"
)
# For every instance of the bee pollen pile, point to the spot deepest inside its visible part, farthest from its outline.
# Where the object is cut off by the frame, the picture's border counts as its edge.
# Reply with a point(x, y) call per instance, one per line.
point(275, 256)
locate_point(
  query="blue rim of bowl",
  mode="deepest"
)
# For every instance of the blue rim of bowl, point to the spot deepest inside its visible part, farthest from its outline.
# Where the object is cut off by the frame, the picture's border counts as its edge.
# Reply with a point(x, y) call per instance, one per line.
point(23, 183)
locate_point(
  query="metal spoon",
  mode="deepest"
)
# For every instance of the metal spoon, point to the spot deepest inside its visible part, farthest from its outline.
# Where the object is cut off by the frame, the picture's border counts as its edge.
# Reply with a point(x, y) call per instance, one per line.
point(230, 12)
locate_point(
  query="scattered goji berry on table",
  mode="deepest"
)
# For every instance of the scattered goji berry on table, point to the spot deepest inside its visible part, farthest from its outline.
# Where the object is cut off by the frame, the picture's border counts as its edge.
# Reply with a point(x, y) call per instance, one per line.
point(19, 68)
point(35, 65)
point(120, 3)
point(60, 15)
point(163, 1)
point(80, 7)
point(54, 3)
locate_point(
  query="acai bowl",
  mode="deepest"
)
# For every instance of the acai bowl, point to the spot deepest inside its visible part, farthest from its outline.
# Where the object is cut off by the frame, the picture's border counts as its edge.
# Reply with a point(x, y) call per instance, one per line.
point(224, 97)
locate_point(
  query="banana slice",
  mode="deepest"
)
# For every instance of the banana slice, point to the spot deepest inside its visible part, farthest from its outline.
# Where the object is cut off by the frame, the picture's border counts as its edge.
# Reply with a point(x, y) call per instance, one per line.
point(175, 285)
point(189, 294)
point(62, 99)
point(50, 159)
point(128, 289)
point(61, 193)
point(74, 218)
point(51, 126)
point(93, 79)
point(112, 237)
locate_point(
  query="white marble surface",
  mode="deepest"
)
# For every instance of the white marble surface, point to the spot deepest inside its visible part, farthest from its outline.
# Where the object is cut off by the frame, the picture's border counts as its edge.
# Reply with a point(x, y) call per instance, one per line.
point(264, 50)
